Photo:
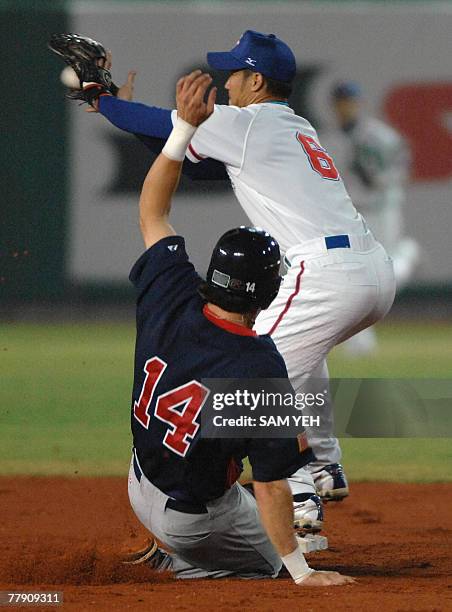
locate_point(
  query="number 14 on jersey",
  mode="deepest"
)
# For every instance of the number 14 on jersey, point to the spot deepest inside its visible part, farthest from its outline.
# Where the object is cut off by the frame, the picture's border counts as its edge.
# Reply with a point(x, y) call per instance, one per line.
point(188, 399)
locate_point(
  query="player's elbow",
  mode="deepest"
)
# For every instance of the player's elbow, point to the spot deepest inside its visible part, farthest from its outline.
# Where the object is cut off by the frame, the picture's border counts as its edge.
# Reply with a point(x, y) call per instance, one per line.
point(154, 229)
point(147, 225)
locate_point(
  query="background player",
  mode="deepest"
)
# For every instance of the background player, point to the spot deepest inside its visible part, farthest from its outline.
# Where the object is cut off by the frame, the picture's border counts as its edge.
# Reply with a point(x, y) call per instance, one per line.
point(182, 487)
point(374, 164)
point(339, 280)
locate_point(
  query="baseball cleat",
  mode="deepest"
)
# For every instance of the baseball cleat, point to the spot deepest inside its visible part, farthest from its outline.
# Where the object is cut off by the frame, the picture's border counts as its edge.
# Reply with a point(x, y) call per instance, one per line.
point(308, 513)
point(153, 556)
point(331, 483)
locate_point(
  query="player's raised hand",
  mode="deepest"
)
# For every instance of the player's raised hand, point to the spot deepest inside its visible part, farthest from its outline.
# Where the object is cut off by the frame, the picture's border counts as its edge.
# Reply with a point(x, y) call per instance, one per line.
point(190, 97)
point(125, 92)
point(322, 579)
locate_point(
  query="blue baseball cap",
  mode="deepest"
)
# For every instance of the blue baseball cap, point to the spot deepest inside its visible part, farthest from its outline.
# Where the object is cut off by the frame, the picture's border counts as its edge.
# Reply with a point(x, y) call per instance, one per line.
point(346, 89)
point(264, 53)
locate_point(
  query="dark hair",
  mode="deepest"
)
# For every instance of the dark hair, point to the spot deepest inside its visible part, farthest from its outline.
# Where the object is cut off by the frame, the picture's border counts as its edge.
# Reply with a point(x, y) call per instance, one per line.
point(279, 89)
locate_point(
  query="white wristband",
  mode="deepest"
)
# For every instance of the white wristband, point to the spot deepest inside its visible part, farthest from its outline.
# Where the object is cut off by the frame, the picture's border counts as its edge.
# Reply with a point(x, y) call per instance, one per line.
point(178, 140)
point(296, 565)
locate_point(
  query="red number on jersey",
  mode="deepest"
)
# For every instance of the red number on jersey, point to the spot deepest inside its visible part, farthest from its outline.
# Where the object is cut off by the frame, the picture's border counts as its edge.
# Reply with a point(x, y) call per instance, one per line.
point(319, 159)
point(188, 400)
point(154, 369)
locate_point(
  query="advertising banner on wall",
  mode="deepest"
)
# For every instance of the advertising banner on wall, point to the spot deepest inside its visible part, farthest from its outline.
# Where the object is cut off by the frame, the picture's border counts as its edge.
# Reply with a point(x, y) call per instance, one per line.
point(399, 54)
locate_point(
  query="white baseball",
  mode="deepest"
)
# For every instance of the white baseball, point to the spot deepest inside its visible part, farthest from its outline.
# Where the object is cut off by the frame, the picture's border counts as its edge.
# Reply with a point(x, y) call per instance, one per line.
point(69, 78)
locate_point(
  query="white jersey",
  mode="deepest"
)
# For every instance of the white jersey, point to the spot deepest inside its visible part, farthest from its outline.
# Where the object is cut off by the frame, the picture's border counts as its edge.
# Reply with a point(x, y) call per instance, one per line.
point(283, 179)
point(288, 185)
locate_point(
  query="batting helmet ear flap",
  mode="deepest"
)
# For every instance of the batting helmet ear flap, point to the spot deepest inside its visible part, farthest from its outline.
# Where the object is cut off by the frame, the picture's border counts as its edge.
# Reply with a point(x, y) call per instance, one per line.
point(266, 303)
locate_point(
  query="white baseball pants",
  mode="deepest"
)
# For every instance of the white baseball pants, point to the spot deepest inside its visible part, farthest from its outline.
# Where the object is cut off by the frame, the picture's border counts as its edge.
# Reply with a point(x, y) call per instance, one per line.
point(327, 296)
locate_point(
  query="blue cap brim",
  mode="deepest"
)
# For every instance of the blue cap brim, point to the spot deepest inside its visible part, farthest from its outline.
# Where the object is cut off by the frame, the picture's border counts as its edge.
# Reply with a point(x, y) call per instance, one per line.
point(224, 60)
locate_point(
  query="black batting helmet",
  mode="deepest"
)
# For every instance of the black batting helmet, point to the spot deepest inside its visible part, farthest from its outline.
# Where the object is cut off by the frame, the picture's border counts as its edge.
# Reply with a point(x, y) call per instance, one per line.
point(243, 274)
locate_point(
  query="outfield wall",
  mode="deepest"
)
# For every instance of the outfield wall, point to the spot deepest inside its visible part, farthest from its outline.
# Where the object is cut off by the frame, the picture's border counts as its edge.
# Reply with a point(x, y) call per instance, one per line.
point(34, 170)
point(77, 178)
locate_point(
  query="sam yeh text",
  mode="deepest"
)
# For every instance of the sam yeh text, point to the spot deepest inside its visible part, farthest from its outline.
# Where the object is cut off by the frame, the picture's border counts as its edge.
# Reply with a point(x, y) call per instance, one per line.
point(299, 420)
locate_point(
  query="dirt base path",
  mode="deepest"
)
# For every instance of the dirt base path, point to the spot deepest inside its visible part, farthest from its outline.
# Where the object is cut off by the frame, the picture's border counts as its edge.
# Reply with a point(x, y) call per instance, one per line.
point(68, 535)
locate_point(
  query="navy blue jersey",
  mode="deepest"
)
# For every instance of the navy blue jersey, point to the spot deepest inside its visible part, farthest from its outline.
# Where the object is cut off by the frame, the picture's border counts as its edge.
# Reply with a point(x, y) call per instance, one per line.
point(178, 344)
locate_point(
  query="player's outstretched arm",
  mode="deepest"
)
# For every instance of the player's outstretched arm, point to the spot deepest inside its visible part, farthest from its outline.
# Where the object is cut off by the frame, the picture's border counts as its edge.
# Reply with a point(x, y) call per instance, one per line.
point(163, 177)
point(156, 121)
point(130, 116)
point(92, 63)
point(274, 500)
point(135, 117)
point(150, 124)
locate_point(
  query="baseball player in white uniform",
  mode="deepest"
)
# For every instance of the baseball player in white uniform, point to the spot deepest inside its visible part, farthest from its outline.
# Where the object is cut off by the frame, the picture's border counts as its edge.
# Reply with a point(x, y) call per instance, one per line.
point(339, 280)
point(374, 163)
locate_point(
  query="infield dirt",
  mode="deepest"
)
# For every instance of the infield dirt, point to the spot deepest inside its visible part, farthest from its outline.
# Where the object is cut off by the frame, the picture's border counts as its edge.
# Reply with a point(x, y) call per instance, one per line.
point(68, 534)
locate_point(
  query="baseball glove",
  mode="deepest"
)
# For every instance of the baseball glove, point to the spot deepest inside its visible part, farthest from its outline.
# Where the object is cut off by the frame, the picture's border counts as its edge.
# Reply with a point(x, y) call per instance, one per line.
point(87, 57)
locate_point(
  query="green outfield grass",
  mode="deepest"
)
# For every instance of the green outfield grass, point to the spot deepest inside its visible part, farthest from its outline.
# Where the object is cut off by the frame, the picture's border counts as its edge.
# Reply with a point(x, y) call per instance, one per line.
point(65, 394)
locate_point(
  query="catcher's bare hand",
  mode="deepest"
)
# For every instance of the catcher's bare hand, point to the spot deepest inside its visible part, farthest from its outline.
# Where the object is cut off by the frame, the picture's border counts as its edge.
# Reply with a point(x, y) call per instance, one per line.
point(321, 578)
point(190, 93)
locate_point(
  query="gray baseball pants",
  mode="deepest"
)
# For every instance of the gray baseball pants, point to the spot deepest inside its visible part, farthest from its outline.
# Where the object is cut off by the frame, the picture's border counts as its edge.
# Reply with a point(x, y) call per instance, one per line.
point(228, 540)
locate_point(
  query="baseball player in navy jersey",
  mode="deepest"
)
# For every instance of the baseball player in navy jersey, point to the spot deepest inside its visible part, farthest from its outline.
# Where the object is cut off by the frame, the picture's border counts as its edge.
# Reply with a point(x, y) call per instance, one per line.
point(339, 280)
point(183, 487)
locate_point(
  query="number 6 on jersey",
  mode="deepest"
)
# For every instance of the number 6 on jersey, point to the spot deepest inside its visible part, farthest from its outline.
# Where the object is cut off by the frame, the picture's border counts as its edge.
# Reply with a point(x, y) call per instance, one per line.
point(188, 398)
point(319, 159)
